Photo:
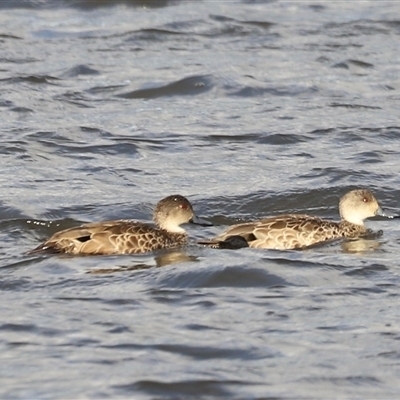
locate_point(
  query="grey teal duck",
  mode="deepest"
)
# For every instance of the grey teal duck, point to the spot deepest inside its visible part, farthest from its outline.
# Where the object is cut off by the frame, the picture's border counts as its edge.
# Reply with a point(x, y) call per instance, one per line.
point(127, 236)
point(298, 231)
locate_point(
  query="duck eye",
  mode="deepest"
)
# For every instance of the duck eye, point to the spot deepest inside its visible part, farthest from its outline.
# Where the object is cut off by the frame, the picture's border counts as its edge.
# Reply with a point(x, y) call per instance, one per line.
point(365, 200)
point(183, 206)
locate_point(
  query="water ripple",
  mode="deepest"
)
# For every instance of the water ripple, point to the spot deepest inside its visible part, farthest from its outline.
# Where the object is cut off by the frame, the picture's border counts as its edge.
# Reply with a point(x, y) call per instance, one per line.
point(190, 86)
point(250, 109)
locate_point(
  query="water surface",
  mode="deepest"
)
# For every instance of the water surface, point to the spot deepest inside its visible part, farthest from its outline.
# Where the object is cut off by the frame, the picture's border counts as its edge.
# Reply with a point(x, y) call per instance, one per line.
point(248, 108)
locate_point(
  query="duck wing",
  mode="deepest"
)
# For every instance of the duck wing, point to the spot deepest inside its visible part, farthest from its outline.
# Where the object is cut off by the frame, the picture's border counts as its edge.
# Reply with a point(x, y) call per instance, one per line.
point(293, 231)
point(289, 231)
point(108, 237)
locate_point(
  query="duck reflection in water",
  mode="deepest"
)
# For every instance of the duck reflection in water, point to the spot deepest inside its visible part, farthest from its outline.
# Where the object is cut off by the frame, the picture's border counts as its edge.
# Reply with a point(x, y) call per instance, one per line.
point(164, 258)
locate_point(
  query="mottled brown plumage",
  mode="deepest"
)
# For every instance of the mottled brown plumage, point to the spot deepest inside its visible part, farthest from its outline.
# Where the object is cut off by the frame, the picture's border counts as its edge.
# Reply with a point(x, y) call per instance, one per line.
point(125, 236)
point(297, 231)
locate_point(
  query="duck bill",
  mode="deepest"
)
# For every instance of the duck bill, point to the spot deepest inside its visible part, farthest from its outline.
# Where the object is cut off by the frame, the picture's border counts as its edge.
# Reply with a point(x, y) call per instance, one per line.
point(381, 213)
point(199, 221)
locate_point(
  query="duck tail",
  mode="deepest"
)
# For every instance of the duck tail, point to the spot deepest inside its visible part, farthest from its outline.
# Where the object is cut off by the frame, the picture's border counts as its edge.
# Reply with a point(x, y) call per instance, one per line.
point(232, 242)
point(47, 247)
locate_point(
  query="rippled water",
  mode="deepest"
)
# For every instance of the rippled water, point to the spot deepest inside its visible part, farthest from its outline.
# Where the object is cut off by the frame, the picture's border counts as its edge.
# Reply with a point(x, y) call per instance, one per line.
point(248, 108)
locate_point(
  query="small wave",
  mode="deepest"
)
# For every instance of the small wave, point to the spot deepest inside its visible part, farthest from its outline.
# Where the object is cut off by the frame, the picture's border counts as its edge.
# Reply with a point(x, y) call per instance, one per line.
point(32, 79)
point(190, 86)
point(80, 70)
point(82, 4)
point(230, 276)
point(251, 91)
point(197, 388)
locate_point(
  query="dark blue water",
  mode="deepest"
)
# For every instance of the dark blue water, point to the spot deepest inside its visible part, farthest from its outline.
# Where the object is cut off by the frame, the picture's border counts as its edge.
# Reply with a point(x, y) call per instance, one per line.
point(248, 108)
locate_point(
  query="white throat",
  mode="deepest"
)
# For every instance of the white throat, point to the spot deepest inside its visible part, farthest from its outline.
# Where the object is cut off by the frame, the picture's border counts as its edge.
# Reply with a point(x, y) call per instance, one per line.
point(354, 219)
point(173, 227)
